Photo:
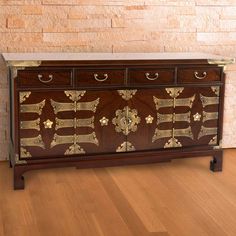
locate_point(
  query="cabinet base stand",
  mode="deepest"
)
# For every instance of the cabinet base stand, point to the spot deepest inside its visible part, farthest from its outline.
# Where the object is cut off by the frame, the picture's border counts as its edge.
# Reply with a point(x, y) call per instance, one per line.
point(123, 159)
point(216, 163)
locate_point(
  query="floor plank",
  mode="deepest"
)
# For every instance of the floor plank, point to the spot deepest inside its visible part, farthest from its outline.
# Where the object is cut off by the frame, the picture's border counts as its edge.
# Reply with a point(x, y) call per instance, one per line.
point(180, 198)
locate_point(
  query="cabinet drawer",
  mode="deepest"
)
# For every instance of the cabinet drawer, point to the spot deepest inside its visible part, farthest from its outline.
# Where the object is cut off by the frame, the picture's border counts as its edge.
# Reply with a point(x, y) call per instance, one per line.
point(45, 78)
point(99, 77)
point(199, 75)
point(151, 76)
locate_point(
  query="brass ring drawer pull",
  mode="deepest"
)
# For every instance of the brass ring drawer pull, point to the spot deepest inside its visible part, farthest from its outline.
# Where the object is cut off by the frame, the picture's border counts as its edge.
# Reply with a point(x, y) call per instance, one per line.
point(100, 80)
point(152, 78)
point(50, 78)
point(204, 74)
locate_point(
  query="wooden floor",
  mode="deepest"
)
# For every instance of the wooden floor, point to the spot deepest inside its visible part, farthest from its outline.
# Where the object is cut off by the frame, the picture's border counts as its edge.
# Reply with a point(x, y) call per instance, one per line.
point(179, 198)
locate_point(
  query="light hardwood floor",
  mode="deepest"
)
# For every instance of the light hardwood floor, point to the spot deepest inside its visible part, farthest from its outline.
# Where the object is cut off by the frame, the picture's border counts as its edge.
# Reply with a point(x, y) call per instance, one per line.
point(179, 198)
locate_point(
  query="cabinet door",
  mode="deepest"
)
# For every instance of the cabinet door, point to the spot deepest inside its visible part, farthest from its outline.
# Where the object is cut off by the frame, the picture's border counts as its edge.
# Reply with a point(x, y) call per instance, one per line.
point(154, 107)
point(62, 123)
point(174, 117)
point(200, 121)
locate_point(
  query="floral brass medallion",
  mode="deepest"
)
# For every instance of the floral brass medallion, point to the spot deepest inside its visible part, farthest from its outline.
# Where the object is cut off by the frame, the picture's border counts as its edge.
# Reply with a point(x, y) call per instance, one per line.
point(104, 121)
point(126, 120)
point(149, 119)
point(48, 124)
point(197, 117)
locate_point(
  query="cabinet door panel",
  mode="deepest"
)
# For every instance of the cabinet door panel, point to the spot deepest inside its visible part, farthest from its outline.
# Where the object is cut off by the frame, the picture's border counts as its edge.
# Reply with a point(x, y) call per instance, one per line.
point(175, 117)
point(38, 123)
point(108, 138)
point(155, 109)
point(69, 122)
point(203, 116)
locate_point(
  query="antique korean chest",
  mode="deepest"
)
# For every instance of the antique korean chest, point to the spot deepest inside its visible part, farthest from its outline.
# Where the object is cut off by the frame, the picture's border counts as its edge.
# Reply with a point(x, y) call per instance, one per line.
point(94, 110)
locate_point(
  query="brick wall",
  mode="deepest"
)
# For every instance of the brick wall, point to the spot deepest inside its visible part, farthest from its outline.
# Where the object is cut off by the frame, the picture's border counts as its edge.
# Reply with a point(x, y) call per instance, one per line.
point(119, 26)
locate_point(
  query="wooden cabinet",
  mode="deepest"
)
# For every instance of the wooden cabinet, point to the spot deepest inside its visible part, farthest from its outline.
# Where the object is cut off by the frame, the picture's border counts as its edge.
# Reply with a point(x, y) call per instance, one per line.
point(94, 113)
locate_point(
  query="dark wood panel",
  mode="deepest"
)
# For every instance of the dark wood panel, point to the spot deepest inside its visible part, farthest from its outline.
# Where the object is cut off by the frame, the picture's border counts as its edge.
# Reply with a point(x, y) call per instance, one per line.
point(99, 77)
point(199, 75)
point(45, 78)
point(151, 76)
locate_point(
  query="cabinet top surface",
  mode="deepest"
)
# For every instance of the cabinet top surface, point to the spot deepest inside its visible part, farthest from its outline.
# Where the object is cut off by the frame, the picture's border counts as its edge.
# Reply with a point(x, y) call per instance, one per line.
point(109, 56)
point(17, 57)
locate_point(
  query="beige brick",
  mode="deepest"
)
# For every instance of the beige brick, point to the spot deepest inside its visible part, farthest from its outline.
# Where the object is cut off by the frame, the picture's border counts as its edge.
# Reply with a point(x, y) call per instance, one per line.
point(95, 12)
point(15, 22)
point(138, 46)
point(18, 2)
point(32, 10)
point(218, 38)
point(215, 2)
point(137, 7)
point(228, 12)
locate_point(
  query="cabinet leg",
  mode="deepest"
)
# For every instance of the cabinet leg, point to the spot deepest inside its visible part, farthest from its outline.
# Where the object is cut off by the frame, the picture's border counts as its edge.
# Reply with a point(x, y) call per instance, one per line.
point(10, 165)
point(216, 163)
point(19, 182)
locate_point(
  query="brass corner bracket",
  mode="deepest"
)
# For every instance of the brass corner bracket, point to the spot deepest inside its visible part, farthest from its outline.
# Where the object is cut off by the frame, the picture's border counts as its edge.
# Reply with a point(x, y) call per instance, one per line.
point(23, 63)
point(221, 62)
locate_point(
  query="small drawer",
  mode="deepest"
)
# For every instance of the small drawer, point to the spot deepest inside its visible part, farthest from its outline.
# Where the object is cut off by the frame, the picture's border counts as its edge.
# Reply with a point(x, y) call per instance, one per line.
point(151, 76)
point(199, 75)
point(45, 78)
point(99, 77)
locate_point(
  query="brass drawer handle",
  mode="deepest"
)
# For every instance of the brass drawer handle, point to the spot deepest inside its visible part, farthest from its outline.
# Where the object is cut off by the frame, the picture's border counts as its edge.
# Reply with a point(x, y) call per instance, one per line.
point(100, 80)
point(50, 78)
point(204, 74)
point(152, 78)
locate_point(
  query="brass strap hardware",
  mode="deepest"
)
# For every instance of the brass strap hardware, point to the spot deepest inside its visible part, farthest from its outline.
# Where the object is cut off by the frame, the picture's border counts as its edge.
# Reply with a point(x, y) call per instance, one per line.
point(32, 108)
point(184, 117)
point(162, 102)
point(74, 123)
point(206, 101)
point(207, 131)
point(67, 139)
point(204, 74)
point(35, 142)
point(161, 134)
point(151, 78)
point(30, 124)
point(162, 118)
point(40, 78)
point(209, 116)
point(76, 106)
point(100, 80)
point(187, 132)
point(184, 102)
